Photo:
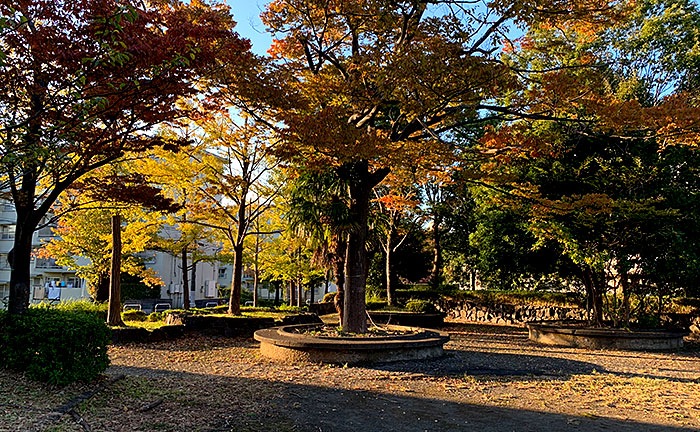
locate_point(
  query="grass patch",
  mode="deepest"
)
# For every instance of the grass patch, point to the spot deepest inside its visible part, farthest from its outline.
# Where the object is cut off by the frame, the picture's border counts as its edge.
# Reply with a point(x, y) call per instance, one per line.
point(148, 325)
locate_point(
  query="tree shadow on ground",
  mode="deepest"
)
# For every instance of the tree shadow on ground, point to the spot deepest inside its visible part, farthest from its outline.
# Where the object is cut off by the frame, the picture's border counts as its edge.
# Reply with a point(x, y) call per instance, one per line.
point(296, 407)
point(513, 357)
point(477, 363)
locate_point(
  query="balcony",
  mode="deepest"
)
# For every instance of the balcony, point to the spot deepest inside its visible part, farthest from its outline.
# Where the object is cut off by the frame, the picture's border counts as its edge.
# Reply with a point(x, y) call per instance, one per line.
point(48, 263)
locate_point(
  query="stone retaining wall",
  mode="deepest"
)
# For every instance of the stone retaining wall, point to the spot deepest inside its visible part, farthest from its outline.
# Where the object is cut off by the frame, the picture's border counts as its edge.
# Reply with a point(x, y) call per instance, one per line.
point(695, 326)
point(467, 311)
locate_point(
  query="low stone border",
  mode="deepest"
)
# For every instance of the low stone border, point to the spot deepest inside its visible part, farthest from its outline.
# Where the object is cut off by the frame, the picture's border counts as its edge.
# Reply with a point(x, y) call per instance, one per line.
point(322, 308)
point(281, 343)
point(411, 319)
point(139, 334)
point(572, 335)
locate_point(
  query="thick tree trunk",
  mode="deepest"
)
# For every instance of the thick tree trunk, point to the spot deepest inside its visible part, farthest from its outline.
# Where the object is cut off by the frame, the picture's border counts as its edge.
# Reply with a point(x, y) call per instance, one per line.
point(354, 310)
point(234, 303)
point(437, 254)
point(277, 294)
point(292, 293)
point(595, 287)
point(256, 276)
point(361, 185)
point(185, 283)
point(114, 310)
point(193, 282)
point(102, 288)
point(19, 259)
point(300, 294)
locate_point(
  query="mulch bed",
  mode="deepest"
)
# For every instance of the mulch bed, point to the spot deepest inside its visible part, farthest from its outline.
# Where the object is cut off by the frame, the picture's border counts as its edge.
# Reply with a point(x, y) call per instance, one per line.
point(329, 331)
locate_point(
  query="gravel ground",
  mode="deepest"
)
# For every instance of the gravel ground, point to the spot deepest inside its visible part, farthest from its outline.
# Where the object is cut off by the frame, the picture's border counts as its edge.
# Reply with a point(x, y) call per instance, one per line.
point(491, 379)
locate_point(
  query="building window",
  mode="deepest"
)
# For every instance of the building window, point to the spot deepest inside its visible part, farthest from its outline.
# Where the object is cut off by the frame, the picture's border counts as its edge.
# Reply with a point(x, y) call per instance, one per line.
point(74, 282)
point(7, 232)
point(4, 265)
point(6, 205)
point(4, 293)
point(47, 263)
point(46, 231)
point(146, 257)
point(222, 272)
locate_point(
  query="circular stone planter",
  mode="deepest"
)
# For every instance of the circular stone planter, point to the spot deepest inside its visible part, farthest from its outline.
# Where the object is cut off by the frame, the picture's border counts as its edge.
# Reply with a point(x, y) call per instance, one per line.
point(573, 335)
point(282, 343)
point(411, 319)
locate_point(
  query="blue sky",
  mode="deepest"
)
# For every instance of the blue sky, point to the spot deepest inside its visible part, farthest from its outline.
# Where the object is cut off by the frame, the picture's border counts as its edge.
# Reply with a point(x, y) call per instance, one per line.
point(246, 13)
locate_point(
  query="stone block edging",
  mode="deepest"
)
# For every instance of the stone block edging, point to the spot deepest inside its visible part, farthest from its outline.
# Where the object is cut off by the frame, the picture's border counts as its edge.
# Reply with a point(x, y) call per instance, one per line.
point(281, 343)
point(571, 335)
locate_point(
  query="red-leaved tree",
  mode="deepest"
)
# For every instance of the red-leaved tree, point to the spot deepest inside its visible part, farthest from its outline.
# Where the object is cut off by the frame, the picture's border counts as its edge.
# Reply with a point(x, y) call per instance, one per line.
point(83, 82)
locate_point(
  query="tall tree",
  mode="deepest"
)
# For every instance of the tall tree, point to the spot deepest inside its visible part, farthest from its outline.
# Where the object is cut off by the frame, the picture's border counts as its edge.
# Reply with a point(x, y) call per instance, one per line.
point(631, 110)
point(382, 83)
point(237, 182)
point(180, 176)
point(397, 214)
point(86, 232)
point(81, 83)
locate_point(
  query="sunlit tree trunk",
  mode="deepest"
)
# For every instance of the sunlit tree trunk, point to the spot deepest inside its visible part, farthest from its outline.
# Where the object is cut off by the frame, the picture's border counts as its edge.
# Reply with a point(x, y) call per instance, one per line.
point(292, 293)
point(114, 316)
point(234, 306)
point(185, 281)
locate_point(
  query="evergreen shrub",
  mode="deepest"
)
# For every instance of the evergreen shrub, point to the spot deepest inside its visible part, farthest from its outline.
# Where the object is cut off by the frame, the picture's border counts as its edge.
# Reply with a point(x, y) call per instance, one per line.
point(54, 345)
point(134, 315)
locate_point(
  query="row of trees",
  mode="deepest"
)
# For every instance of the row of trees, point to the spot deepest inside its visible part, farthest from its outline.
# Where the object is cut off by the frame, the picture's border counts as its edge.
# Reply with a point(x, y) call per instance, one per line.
point(540, 109)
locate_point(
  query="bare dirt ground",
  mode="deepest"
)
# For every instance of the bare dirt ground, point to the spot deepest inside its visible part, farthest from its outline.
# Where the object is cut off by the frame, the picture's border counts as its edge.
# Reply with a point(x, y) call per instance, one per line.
point(492, 379)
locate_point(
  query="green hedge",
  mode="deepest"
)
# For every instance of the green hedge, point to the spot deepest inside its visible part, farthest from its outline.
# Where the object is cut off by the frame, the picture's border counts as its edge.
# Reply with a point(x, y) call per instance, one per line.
point(53, 345)
point(87, 306)
point(422, 306)
point(375, 304)
point(542, 298)
point(134, 315)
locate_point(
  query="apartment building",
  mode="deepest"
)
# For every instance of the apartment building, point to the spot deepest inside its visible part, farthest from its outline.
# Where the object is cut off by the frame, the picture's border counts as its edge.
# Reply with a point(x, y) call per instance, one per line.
point(49, 280)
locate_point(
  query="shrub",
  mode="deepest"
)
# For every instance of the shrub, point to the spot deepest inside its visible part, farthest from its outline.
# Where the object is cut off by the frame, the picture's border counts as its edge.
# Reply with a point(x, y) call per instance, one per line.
point(87, 306)
point(54, 345)
point(542, 298)
point(328, 298)
point(375, 304)
point(254, 309)
point(421, 306)
point(287, 308)
point(134, 315)
point(218, 309)
point(157, 316)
